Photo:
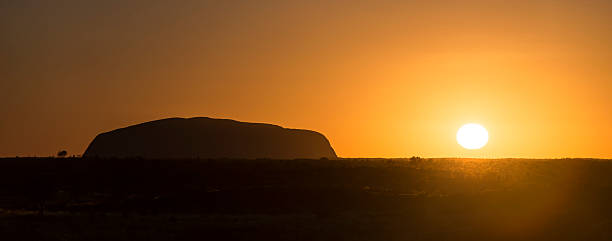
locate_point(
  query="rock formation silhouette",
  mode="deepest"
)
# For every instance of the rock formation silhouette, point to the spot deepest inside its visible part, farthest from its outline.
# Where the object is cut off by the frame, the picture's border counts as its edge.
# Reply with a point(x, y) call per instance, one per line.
point(203, 137)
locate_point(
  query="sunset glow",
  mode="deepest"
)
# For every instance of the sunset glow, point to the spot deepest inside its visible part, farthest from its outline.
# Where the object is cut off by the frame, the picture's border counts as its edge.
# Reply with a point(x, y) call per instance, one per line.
point(379, 79)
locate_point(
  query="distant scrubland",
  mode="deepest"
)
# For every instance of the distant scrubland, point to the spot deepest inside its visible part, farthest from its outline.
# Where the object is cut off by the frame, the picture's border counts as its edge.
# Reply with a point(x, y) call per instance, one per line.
point(349, 199)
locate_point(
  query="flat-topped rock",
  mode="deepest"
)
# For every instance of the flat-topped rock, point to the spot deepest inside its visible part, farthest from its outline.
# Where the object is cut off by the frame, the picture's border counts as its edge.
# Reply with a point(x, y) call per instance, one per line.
point(203, 137)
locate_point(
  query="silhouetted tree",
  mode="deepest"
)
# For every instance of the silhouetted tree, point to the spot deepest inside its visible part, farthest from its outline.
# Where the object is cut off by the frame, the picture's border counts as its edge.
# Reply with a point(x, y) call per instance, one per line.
point(62, 153)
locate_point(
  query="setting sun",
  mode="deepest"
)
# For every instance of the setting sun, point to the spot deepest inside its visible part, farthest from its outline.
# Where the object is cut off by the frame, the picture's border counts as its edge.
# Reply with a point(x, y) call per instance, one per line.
point(472, 136)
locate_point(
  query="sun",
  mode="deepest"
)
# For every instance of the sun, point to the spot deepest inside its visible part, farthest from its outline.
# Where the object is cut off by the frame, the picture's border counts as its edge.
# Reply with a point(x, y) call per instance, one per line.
point(472, 136)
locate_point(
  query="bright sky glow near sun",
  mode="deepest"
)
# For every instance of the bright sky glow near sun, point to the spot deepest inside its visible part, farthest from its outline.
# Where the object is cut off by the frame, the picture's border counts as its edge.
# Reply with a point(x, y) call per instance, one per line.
point(378, 78)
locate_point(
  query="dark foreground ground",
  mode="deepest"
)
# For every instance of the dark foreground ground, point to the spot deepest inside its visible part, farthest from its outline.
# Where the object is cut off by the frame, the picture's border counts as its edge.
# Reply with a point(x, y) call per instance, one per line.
point(349, 199)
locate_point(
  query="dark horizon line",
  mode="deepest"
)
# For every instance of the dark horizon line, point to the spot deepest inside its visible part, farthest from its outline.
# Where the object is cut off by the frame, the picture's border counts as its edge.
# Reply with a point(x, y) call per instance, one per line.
point(338, 158)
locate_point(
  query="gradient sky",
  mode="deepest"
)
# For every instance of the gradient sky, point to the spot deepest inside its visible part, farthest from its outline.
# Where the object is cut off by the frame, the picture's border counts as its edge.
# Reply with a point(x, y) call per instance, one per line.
point(378, 78)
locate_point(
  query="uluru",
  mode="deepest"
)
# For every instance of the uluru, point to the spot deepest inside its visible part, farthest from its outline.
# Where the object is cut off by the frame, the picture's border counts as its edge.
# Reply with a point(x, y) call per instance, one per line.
point(203, 137)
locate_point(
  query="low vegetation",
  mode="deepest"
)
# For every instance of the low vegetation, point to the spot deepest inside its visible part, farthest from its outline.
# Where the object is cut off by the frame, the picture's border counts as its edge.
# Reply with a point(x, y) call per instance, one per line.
point(345, 199)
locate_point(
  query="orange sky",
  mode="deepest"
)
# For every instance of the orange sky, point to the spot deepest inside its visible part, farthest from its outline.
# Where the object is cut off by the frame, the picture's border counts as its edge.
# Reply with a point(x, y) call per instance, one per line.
point(378, 78)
